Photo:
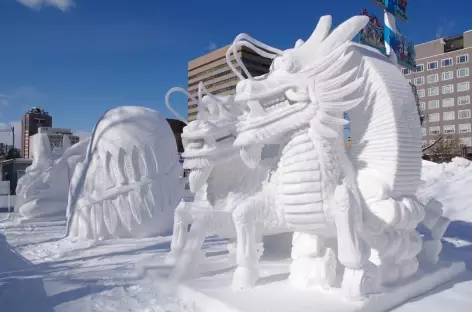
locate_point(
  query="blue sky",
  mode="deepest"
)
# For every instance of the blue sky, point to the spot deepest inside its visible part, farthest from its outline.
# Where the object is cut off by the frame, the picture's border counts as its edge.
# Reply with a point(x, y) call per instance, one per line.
point(80, 58)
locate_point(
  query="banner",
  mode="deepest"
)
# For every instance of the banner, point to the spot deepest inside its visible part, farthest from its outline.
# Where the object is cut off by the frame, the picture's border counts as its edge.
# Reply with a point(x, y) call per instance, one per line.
point(404, 49)
point(373, 33)
point(396, 7)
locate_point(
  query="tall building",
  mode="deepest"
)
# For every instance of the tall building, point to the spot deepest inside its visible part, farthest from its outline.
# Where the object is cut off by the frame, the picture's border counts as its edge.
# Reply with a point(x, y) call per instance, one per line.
point(34, 118)
point(217, 76)
point(443, 84)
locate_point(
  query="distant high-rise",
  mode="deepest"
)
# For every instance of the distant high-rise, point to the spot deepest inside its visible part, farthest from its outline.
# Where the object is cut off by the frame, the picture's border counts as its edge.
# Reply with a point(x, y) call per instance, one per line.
point(217, 76)
point(34, 118)
point(443, 82)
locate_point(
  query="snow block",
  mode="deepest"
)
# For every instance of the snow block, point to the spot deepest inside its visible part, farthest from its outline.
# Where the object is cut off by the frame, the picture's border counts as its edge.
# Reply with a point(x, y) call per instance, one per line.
point(274, 293)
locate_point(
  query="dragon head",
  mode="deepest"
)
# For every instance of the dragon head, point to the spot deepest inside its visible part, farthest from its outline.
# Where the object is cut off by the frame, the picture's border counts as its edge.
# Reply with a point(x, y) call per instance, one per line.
point(209, 139)
point(309, 85)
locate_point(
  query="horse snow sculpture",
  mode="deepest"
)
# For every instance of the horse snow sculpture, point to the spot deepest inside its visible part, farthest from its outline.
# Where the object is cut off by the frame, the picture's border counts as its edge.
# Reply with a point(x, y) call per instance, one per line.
point(218, 176)
point(42, 191)
point(365, 199)
point(129, 183)
point(358, 209)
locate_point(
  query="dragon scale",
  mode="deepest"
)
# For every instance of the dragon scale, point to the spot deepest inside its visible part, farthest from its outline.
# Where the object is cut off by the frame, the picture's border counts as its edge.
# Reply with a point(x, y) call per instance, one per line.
point(301, 185)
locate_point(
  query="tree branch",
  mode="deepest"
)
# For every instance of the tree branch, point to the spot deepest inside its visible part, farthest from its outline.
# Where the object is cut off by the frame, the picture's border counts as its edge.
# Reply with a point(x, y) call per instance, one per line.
point(431, 145)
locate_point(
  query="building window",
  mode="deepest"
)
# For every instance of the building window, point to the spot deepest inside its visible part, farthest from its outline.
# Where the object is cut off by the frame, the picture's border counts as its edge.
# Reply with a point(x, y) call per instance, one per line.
point(463, 86)
point(463, 114)
point(466, 141)
point(421, 93)
point(405, 71)
point(448, 102)
point(423, 131)
point(465, 128)
point(434, 130)
point(446, 62)
point(449, 116)
point(422, 105)
point(419, 68)
point(447, 89)
point(192, 106)
point(432, 78)
point(447, 75)
point(461, 59)
point(419, 81)
point(433, 104)
point(432, 65)
point(449, 129)
point(433, 117)
point(463, 72)
point(433, 91)
point(463, 100)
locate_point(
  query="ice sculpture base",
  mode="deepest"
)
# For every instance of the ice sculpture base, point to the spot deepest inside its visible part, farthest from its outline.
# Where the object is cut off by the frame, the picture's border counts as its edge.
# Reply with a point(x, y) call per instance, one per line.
point(274, 293)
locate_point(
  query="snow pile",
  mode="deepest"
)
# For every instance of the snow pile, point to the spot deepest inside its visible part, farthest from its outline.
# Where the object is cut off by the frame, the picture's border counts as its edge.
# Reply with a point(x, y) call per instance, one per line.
point(449, 183)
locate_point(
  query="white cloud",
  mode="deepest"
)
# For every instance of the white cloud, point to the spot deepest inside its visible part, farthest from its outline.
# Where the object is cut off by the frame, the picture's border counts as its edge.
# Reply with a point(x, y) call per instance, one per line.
point(62, 5)
point(6, 137)
point(211, 46)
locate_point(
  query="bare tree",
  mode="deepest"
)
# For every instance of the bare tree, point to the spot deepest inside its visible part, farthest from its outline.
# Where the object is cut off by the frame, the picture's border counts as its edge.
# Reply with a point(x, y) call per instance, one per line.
point(444, 149)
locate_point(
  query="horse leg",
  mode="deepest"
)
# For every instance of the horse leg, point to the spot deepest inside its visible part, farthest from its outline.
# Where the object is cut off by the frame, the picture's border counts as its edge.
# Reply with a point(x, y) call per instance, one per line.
point(188, 262)
point(360, 276)
point(182, 219)
point(247, 218)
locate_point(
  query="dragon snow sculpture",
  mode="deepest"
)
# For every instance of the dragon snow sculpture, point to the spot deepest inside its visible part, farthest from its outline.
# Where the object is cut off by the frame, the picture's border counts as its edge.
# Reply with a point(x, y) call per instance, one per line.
point(357, 209)
point(42, 191)
point(218, 176)
point(129, 182)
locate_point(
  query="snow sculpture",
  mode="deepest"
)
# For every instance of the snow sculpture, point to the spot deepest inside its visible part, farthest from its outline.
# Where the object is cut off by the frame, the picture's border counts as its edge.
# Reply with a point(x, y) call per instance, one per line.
point(129, 183)
point(218, 177)
point(42, 191)
point(364, 199)
point(434, 227)
point(353, 213)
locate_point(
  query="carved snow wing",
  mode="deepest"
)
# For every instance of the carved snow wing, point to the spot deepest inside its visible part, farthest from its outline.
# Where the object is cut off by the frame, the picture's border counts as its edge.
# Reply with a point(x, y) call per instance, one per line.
point(132, 180)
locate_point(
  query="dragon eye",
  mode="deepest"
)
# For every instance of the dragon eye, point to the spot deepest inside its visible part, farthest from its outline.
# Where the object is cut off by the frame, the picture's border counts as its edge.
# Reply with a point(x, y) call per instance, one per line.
point(285, 63)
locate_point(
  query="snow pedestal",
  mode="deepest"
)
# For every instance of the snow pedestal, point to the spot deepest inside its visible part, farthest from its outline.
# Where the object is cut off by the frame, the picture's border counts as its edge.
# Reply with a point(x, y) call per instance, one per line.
point(274, 292)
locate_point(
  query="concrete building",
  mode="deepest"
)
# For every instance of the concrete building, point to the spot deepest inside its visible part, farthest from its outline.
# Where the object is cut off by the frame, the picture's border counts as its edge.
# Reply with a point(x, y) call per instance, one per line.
point(218, 76)
point(55, 137)
point(12, 170)
point(443, 84)
point(34, 118)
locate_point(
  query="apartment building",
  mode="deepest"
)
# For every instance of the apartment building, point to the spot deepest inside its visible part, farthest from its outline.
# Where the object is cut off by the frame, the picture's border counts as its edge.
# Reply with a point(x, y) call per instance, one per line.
point(443, 84)
point(217, 76)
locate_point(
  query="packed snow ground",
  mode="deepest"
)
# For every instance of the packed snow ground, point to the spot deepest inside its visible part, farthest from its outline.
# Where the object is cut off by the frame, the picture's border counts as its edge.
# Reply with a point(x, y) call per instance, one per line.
point(42, 272)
